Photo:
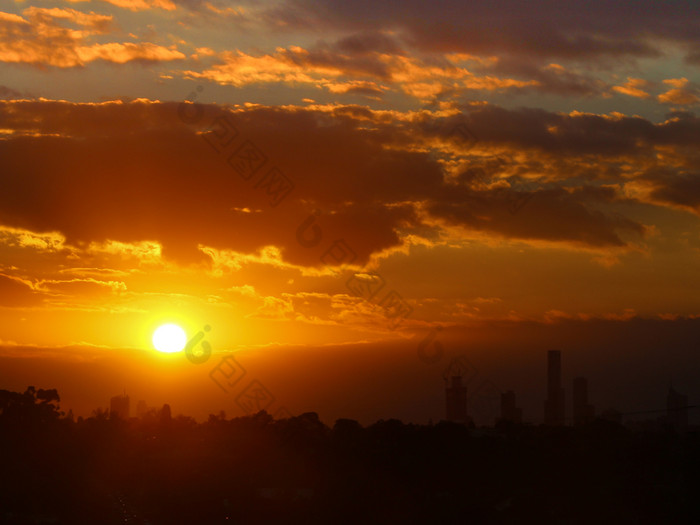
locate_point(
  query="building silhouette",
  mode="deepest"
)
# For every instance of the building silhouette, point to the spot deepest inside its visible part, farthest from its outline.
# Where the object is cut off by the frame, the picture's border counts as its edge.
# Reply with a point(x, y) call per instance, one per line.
point(165, 413)
point(509, 411)
point(142, 409)
point(677, 410)
point(119, 407)
point(554, 409)
point(456, 400)
point(583, 411)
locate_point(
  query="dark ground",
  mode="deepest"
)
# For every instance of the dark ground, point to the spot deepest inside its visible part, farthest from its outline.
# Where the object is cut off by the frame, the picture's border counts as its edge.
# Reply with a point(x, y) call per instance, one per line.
point(255, 470)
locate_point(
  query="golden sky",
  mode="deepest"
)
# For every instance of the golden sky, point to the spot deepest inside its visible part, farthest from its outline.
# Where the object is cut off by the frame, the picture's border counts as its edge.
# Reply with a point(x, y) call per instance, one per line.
point(321, 181)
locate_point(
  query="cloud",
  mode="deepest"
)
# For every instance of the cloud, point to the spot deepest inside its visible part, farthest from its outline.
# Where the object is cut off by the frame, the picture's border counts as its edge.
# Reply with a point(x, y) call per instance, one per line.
point(46, 242)
point(128, 52)
point(565, 30)
point(135, 175)
point(143, 5)
point(367, 43)
point(135, 5)
point(356, 86)
point(682, 94)
point(81, 287)
point(677, 189)
point(274, 308)
point(539, 77)
point(239, 69)
point(40, 38)
point(575, 223)
point(634, 87)
point(326, 309)
point(362, 70)
point(16, 292)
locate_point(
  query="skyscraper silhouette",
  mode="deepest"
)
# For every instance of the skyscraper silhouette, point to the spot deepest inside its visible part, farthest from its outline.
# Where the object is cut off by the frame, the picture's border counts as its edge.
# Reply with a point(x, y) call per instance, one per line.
point(554, 410)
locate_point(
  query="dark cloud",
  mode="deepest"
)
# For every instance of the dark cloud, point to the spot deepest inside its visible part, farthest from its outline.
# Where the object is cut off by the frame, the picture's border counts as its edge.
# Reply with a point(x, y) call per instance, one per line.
point(680, 189)
point(363, 89)
point(562, 29)
point(574, 222)
point(324, 56)
point(135, 171)
point(577, 133)
point(550, 79)
point(365, 43)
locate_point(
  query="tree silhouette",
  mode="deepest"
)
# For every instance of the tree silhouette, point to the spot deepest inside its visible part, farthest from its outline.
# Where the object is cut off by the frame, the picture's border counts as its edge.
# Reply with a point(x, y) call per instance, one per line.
point(254, 469)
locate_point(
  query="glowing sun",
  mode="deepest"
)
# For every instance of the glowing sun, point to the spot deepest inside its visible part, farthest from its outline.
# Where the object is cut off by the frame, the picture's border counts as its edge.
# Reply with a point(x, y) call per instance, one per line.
point(169, 338)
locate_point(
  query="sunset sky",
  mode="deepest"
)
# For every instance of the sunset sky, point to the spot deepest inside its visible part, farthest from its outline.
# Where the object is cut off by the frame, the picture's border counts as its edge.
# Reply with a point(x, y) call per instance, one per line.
point(327, 183)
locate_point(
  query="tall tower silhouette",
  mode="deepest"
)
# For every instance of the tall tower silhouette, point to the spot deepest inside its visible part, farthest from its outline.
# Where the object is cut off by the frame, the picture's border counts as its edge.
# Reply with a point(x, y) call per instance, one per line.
point(455, 392)
point(554, 410)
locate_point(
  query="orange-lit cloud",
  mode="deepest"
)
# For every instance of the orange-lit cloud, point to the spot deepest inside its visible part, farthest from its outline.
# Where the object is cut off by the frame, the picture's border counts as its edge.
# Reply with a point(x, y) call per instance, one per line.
point(682, 94)
point(357, 72)
point(135, 5)
point(141, 5)
point(634, 87)
point(41, 38)
point(82, 287)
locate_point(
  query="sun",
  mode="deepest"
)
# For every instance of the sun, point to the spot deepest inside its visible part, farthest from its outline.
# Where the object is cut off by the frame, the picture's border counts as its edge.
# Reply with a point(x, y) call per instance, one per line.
point(169, 338)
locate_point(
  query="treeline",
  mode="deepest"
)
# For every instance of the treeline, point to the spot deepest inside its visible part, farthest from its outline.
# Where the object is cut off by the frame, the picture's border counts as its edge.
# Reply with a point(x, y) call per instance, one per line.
point(165, 470)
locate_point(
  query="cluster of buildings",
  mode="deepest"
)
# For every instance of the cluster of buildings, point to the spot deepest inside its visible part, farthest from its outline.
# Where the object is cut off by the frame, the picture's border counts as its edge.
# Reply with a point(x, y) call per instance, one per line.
point(583, 412)
point(555, 402)
point(119, 407)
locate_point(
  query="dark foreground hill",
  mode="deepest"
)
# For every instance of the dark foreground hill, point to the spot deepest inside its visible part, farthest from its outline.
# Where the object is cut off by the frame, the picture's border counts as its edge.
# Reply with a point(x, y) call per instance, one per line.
point(163, 470)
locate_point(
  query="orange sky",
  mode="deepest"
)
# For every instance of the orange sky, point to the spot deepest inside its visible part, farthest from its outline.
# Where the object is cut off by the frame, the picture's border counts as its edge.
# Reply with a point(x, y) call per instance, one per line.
point(323, 181)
